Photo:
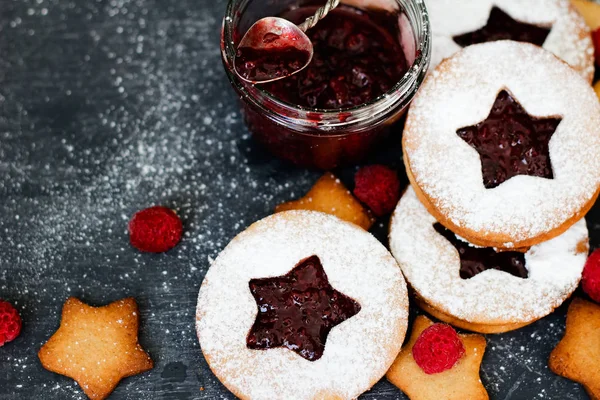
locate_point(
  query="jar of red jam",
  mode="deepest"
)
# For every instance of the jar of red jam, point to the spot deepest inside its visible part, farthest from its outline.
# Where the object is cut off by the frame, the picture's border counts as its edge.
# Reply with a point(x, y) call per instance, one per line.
point(370, 57)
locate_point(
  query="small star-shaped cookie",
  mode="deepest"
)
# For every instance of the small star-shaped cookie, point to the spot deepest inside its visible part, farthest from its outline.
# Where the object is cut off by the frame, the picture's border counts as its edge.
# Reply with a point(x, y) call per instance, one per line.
point(511, 142)
point(501, 26)
point(298, 310)
point(458, 383)
point(577, 356)
point(330, 196)
point(96, 346)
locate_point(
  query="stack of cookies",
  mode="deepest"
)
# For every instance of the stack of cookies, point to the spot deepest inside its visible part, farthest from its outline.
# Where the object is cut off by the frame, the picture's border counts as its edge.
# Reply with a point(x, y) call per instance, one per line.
point(500, 147)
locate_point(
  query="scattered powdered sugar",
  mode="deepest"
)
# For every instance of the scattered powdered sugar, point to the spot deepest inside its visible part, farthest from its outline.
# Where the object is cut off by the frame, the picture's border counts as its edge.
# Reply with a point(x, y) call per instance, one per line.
point(357, 353)
point(461, 93)
point(569, 38)
point(431, 266)
point(105, 113)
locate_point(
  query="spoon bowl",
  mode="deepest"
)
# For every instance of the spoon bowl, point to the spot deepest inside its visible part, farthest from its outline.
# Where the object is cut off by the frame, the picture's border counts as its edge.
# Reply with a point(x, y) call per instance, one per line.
point(273, 48)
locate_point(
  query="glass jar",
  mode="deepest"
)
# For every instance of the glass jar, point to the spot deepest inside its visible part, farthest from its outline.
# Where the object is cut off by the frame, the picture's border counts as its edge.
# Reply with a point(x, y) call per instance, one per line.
point(326, 138)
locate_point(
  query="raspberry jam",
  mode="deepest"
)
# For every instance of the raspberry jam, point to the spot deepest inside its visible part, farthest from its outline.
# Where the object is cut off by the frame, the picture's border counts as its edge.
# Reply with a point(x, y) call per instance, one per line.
point(474, 260)
point(354, 62)
point(501, 26)
point(510, 142)
point(368, 64)
point(298, 310)
point(257, 64)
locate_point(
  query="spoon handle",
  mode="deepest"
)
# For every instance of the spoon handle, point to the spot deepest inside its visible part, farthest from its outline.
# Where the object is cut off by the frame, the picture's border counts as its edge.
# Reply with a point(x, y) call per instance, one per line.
point(319, 15)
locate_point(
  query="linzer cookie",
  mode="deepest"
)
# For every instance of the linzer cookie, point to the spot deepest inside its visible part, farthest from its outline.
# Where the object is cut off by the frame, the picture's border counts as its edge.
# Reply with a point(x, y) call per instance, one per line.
point(501, 145)
point(302, 305)
point(478, 288)
point(554, 24)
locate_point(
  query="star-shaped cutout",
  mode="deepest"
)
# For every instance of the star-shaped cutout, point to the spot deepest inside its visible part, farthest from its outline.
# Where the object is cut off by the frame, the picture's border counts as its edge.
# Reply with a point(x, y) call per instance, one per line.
point(511, 142)
point(96, 346)
point(577, 356)
point(458, 383)
point(501, 26)
point(475, 260)
point(298, 310)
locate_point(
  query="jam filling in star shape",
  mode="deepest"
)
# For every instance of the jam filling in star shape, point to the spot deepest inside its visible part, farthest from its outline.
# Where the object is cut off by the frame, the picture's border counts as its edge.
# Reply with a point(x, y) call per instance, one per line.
point(475, 260)
point(298, 310)
point(511, 142)
point(501, 26)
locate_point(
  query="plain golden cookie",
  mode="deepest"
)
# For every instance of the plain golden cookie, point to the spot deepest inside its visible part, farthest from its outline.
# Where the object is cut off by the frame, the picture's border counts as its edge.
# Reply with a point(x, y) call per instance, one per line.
point(577, 356)
point(96, 346)
point(330, 196)
point(590, 11)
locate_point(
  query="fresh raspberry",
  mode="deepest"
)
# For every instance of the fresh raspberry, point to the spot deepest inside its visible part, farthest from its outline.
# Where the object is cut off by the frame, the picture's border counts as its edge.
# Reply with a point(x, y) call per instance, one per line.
point(590, 281)
point(596, 40)
point(437, 349)
point(155, 229)
point(378, 187)
point(10, 323)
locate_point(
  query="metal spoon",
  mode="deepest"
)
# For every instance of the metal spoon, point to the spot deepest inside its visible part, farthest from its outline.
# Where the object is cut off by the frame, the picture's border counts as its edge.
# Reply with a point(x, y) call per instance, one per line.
point(275, 48)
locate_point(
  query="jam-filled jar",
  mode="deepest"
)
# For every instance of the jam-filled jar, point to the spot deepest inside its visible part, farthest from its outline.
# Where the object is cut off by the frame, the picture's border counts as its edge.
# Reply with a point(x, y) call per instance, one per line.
point(370, 57)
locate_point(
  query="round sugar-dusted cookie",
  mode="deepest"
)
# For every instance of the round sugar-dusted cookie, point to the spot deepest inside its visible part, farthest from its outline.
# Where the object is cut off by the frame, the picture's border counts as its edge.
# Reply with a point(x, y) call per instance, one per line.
point(501, 145)
point(553, 24)
point(302, 305)
point(477, 288)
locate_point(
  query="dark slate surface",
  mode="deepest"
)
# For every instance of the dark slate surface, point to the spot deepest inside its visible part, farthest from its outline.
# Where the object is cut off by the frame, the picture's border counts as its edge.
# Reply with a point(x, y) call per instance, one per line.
point(110, 106)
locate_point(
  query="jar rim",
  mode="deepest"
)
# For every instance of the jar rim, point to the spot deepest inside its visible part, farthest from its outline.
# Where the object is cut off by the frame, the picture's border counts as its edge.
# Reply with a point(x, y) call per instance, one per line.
point(330, 118)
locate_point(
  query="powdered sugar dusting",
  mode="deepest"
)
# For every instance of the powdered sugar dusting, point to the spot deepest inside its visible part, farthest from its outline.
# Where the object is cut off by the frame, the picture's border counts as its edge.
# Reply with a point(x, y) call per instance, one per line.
point(569, 38)
point(431, 265)
point(461, 93)
point(357, 353)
